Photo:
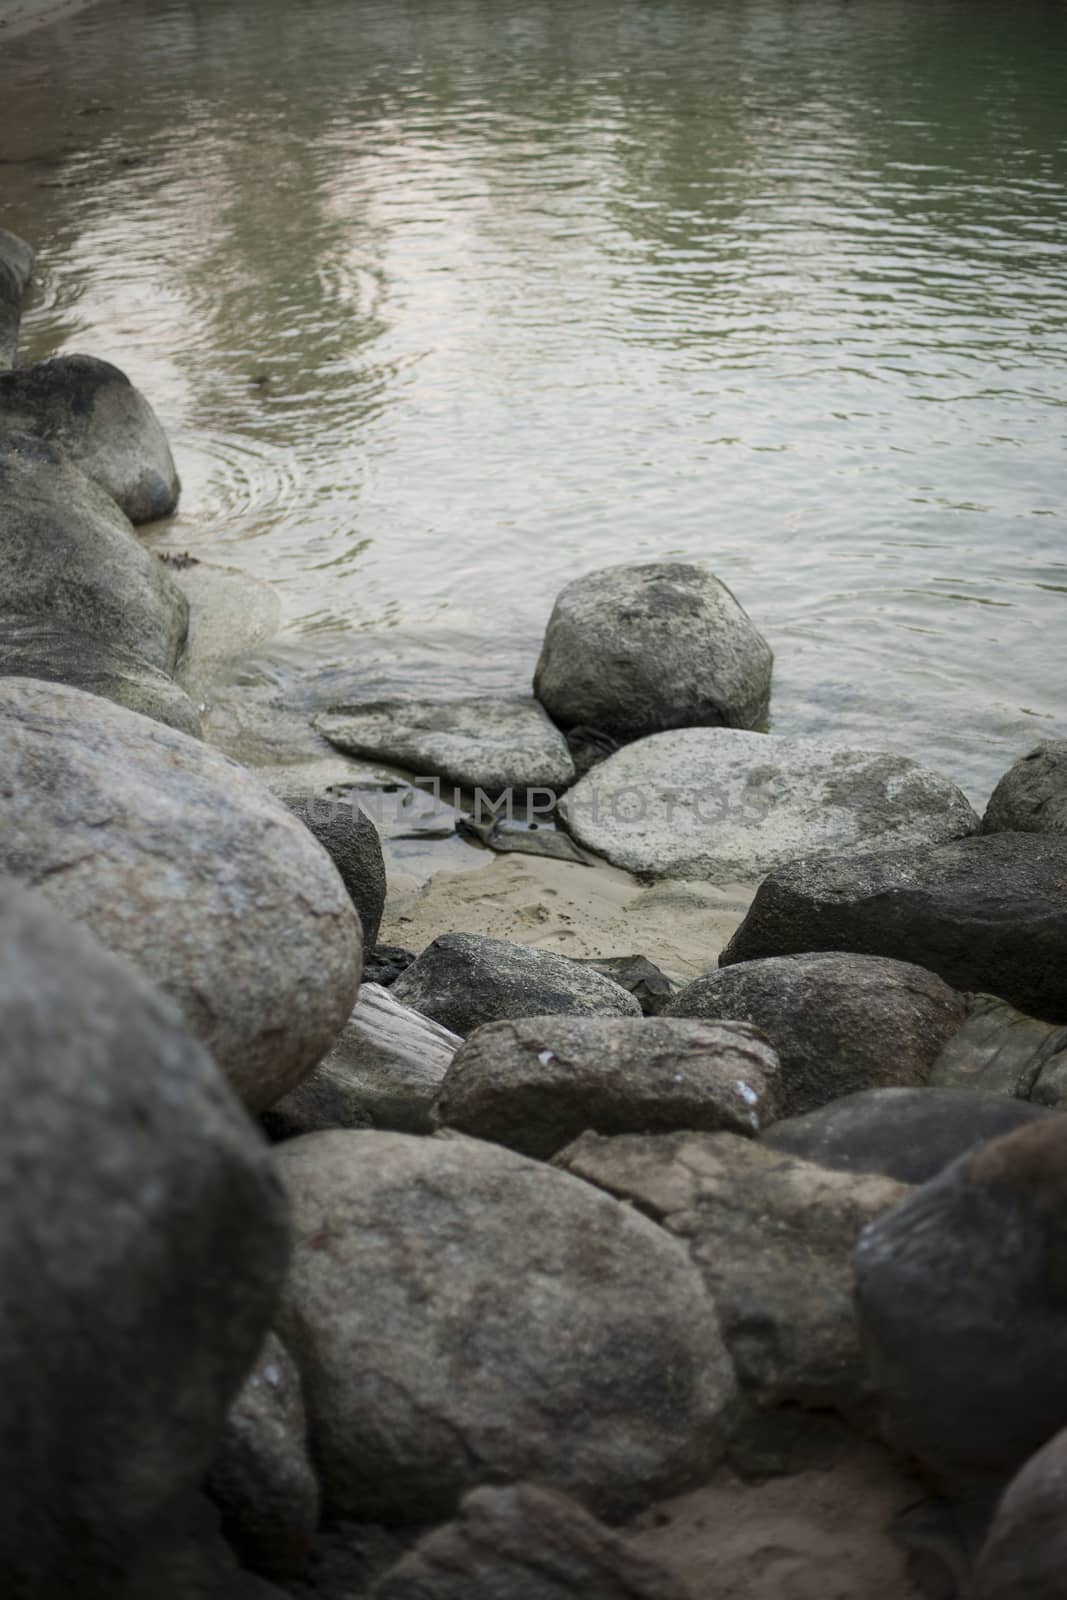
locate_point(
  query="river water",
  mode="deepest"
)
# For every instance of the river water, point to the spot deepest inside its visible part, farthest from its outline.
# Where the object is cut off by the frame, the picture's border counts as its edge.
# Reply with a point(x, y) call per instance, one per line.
point(445, 303)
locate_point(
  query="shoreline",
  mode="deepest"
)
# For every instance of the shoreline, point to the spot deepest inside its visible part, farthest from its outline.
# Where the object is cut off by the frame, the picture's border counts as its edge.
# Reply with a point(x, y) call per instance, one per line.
point(20, 17)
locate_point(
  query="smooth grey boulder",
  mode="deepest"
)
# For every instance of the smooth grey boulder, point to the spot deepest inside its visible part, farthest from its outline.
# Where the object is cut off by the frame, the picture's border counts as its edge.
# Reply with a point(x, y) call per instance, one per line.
point(722, 804)
point(351, 840)
point(18, 257)
point(634, 650)
point(535, 1084)
point(384, 1071)
point(998, 1050)
point(488, 742)
point(179, 859)
point(1032, 795)
point(91, 411)
point(838, 1022)
point(464, 979)
point(986, 914)
point(460, 1313)
point(71, 560)
point(261, 1479)
point(907, 1134)
point(142, 1245)
point(1024, 1556)
point(524, 1542)
point(962, 1297)
point(773, 1239)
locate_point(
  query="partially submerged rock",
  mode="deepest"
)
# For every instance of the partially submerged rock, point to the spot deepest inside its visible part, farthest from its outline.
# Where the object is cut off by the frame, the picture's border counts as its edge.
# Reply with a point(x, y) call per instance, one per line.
point(722, 804)
point(459, 1313)
point(90, 411)
point(488, 743)
point(633, 650)
point(773, 1237)
point(1032, 795)
point(142, 1243)
point(16, 266)
point(465, 979)
point(18, 257)
point(524, 1542)
point(987, 914)
point(839, 1022)
point(179, 859)
point(535, 1084)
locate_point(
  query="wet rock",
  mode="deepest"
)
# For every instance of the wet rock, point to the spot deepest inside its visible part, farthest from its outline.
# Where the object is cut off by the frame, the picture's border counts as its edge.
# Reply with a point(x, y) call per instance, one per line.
point(907, 1134)
point(16, 265)
point(384, 1071)
point(1032, 795)
point(17, 256)
point(961, 1295)
point(838, 1022)
point(351, 840)
point(525, 1543)
point(1025, 1553)
point(650, 987)
point(464, 979)
point(537, 1083)
point(986, 914)
point(179, 859)
point(772, 1236)
point(261, 1478)
point(489, 743)
point(142, 1244)
point(721, 804)
point(633, 650)
point(459, 1313)
point(92, 413)
point(998, 1050)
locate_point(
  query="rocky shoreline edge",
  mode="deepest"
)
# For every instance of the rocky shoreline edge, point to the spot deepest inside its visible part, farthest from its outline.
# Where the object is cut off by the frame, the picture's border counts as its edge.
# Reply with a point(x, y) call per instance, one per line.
point(536, 1266)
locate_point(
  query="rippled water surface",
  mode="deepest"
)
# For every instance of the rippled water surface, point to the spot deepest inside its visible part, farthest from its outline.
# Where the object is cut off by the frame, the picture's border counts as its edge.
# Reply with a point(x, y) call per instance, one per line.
point(443, 304)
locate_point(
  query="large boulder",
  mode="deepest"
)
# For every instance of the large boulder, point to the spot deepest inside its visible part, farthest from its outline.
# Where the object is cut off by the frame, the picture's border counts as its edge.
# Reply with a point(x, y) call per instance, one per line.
point(962, 1296)
point(536, 1083)
point(721, 804)
point(464, 979)
point(142, 1244)
point(838, 1022)
point(91, 411)
point(1032, 795)
point(907, 1134)
point(384, 1071)
point(178, 858)
point(351, 840)
point(525, 1543)
point(488, 743)
point(986, 914)
point(773, 1238)
point(459, 1313)
point(1024, 1556)
point(634, 650)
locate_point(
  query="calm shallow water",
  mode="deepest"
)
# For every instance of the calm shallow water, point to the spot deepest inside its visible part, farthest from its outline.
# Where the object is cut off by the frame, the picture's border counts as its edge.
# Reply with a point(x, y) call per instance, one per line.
point(443, 304)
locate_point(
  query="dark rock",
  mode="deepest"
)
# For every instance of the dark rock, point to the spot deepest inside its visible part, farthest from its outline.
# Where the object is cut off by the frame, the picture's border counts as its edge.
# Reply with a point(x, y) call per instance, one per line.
point(384, 1071)
point(907, 1134)
point(465, 979)
point(142, 1244)
point(987, 914)
point(351, 840)
point(962, 1295)
point(179, 859)
point(16, 266)
point(17, 256)
point(838, 1022)
point(651, 988)
point(1032, 795)
point(460, 1313)
point(535, 1084)
point(1050, 1085)
point(385, 964)
point(588, 746)
point(1025, 1553)
point(773, 1238)
point(633, 650)
point(90, 411)
point(515, 839)
point(261, 1478)
point(998, 1050)
point(525, 1543)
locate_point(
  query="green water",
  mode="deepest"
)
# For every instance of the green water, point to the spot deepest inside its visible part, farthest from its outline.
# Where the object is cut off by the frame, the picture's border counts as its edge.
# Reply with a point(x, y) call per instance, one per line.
point(443, 304)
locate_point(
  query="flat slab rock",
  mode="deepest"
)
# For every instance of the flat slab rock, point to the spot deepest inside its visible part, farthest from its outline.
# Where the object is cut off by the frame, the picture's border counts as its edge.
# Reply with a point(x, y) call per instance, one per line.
point(988, 914)
point(459, 1313)
point(724, 804)
point(481, 743)
point(773, 1237)
point(535, 1084)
